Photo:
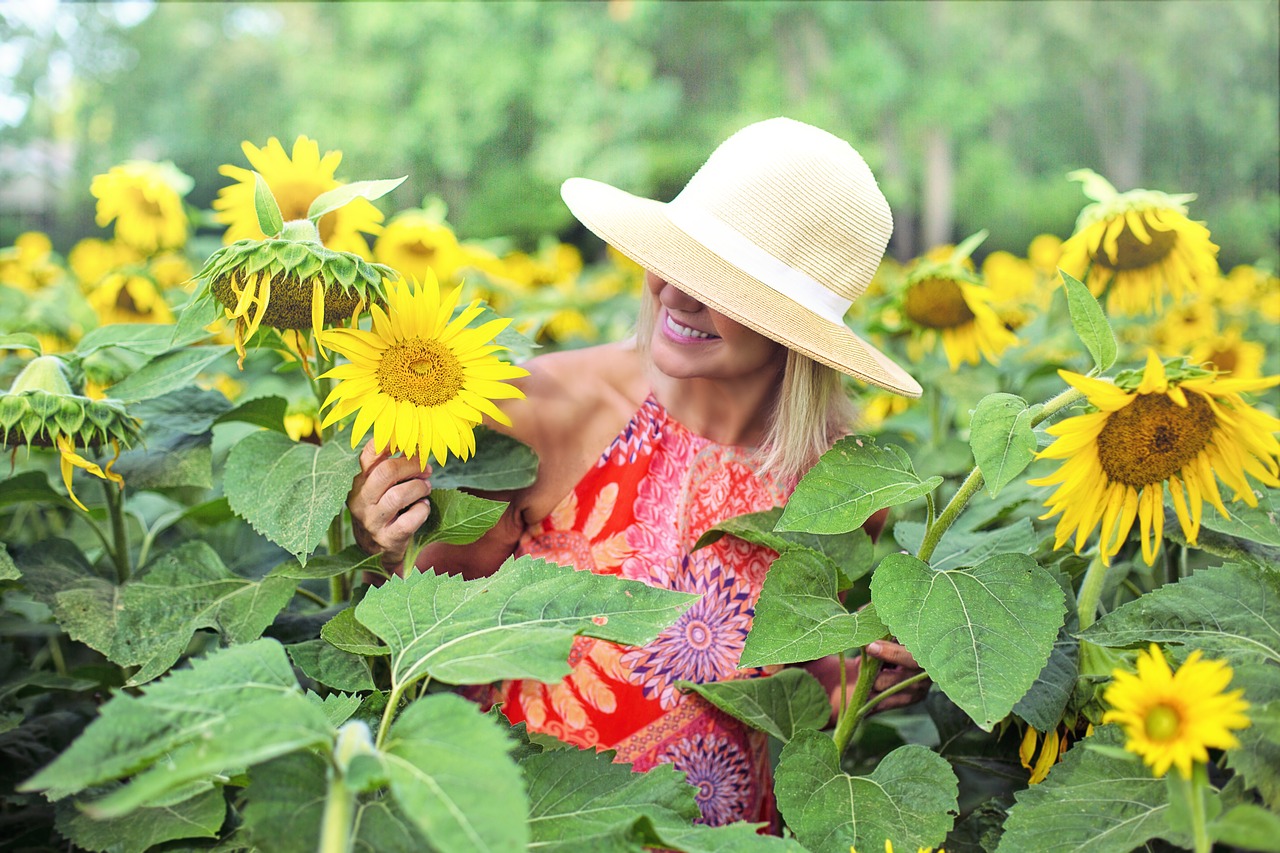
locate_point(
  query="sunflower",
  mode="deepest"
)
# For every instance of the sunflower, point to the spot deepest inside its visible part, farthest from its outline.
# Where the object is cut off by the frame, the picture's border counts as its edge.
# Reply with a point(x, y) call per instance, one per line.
point(416, 243)
point(28, 264)
point(948, 302)
point(41, 410)
point(1044, 253)
point(1150, 432)
point(1174, 718)
point(91, 259)
point(1016, 289)
point(129, 297)
point(1230, 353)
point(1183, 326)
point(145, 201)
point(295, 181)
point(423, 381)
point(1135, 244)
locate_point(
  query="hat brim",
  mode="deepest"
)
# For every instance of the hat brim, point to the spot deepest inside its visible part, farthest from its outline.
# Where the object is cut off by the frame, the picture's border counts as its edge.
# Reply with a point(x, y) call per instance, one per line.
point(639, 228)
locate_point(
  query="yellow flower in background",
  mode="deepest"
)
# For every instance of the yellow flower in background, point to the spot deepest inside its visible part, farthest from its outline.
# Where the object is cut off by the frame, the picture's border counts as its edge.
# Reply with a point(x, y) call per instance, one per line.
point(128, 297)
point(170, 269)
point(1173, 719)
point(1182, 434)
point(422, 378)
point(1231, 354)
point(960, 313)
point(1183, 326)
point(91, 259)
point(295, 181)
point(144, 200)
point(1044, 253)
point(28, 264)
point(1018, 292)
point(1136, 246)
point(879, 407)
point(415, 243)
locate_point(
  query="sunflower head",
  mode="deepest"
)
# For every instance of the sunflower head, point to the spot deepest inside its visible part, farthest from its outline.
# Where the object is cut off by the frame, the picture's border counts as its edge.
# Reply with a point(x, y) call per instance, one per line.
point(40, 409)
point(144, 199)
point(1136, 245)
point(28, 264)
point(418, 242)
point(1172, 718)
point(129, 295)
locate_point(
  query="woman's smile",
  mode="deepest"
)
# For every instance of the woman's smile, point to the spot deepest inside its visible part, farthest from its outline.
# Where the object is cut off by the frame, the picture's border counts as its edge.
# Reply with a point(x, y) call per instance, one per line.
point(684, 334)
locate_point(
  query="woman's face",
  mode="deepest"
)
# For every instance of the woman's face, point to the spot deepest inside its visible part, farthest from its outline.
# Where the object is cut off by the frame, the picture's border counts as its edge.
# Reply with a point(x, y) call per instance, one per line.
point(692, 341)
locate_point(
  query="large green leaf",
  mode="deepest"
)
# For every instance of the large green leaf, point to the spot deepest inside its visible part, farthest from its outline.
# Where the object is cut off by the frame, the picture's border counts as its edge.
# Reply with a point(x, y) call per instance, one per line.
point(268, 412)
point(350, 559)
point(200, 816)
point(324, 662)
point(142, 338)
point(450, 771)
point(1231, 611)
point(344, 632)
point(233, 709)
point(1002, 439)
point(851, 481)
point(1093, 801)
point(8, 568)
point(459, 518)
point(960, 548)
point(910, 798)
point(799, 616)
point(852, 552)
point(781, 704)
point(499, 463)
point(168, 372)
point(270, 221)
point(149, 621)
point(983, 633)
point(1043, 704)
point(1090, 323)
point(1259, 523)
point(1256, 761)
point(288, 491)
point(517, 623)
point(31, 486)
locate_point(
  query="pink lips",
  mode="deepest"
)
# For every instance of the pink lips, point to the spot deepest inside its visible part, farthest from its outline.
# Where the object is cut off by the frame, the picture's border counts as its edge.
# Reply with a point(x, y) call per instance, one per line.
point(676, 331)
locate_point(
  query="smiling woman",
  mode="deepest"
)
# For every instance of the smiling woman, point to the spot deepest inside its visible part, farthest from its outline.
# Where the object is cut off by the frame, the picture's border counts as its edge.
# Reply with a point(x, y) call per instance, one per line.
point(729, 392)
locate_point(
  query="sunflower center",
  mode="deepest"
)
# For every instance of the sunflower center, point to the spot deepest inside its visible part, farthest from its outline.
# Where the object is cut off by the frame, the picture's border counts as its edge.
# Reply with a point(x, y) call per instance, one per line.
point(147, 206)
point(937, 303)
point(419, 249)
point(1132, 253)
point(1162, 723)
point(1224, 360)
point(425, 373)
point(1153, 437)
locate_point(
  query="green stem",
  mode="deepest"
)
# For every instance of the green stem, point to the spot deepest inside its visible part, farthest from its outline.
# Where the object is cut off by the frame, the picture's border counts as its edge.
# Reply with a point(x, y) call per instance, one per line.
point(1193, 790)
point(388, 713)
point(897, 688)
point(119, 532)
point(339, 813)
point(1095, 578)
point(950, 512)
point(339, 585)
point(868, 669)
point(310, 596)
point(1056, 404)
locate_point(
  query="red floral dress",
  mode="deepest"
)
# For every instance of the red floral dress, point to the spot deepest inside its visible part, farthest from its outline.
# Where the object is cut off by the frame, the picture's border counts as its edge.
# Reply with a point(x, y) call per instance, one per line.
point(637, 514)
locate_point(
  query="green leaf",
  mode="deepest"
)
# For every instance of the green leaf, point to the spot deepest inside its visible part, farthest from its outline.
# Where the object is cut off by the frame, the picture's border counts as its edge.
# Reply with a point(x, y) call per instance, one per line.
point(959, 548)
point(142, 338)
point(1001, 438)
point(1232, 611)
point(321, 661)
point(8, 568)
point(189, 411)
point(260, 411)
point(1045, 702)
point(349, 635)
point(450, 771)
point(264, 205)
point(200, 816)
point(1257, 760)
point(458, 518)
point(499, 463)
point(780, 704)
point(733, 838)
point(347, 561)
point(31, 487)
point(910, 798)
point(983, 633)
point(1090, 323)
point(235, 708)
point(150, 620)
point(169, 461)
point(336, 707)
point(1248, 827)
point(1259, 523)
point(20, 340)
point(167, 373)
point(799, 617)
point(517, 623)
point(580, 800)
point(201, 311)
point(288, 491)
point(1092, 800)
point(330, 201)
point(852, 552)
point(851, 482)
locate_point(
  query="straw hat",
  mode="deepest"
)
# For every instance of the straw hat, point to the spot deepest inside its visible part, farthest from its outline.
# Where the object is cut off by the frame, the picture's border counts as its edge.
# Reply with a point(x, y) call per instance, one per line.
point(781, 230)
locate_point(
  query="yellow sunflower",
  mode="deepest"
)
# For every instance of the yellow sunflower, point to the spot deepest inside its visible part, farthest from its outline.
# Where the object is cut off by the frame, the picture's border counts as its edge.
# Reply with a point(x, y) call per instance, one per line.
point(28, 264)
point(951, 306)
point(1044, 253)
point(1017, 290)
point(1174, 718)
point(1137, 244)
point(1230, 353)
point(295, 181)
point(422, 380)
point(1183, 326)
point(415, 243)
point(1149, 433)
point(144, 199)
point(91, 259)
point(128, 297)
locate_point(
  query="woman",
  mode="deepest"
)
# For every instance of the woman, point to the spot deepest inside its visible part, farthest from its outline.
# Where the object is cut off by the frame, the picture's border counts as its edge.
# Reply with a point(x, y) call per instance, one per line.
point(730, 391)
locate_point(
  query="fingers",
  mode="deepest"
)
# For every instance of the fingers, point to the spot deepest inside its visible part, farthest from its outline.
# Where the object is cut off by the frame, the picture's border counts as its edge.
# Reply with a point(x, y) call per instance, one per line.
point(892, 654)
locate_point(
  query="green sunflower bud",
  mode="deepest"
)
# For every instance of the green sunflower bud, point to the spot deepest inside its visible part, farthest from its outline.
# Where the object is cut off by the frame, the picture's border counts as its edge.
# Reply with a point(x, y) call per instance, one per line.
point(41, 406)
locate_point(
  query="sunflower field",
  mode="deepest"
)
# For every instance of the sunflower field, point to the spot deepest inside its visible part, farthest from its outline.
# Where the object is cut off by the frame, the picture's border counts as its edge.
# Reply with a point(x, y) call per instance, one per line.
point(1082, 551)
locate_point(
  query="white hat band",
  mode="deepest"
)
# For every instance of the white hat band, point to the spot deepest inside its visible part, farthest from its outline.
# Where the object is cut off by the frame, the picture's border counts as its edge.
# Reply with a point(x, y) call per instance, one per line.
point(731, 246)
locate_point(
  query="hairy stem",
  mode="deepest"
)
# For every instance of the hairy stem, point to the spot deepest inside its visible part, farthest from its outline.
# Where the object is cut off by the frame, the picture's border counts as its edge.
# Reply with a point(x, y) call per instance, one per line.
point(119, 532)
point(339, 812)
point(868, 669)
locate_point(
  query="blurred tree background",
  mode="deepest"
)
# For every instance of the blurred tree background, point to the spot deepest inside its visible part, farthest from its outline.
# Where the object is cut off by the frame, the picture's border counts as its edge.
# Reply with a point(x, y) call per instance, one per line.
point(970, 113)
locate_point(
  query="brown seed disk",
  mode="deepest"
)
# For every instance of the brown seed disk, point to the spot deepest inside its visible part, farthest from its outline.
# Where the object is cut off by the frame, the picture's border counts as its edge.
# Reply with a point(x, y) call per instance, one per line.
point(426, 373)
point(1152, 438)
point(1132, 253)
point(937, 303)
point(289, 305)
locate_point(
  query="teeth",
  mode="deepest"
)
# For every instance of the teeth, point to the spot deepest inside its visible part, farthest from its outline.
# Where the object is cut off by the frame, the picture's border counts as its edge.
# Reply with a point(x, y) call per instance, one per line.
point(685, 331)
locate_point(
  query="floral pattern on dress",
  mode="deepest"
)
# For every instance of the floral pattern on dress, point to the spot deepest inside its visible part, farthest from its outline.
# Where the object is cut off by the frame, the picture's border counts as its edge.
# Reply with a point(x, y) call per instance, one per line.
point(720, 768)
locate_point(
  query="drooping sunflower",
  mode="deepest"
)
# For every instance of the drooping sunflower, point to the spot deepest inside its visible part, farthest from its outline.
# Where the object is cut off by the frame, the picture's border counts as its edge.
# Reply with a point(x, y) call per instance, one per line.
point(40, 409)
point(1152, 432)
point(1173, 718)
point(144, 199)
point(421, 378)
point(295, 181)
point(1136, 245)
point(945, 299)
point(415, 243)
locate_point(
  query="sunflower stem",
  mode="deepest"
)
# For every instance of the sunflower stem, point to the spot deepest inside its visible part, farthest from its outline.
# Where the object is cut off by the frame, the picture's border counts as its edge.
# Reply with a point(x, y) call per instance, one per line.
point(1193, 791)
point(1090, 595)
point(119, 532)
point(868, 669)
point(933, 534)
point(1056, 404)
point(885, 694)
point(339, 813)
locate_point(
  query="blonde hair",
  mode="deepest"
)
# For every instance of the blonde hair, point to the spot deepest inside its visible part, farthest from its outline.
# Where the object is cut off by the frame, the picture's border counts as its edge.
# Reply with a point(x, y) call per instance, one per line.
point(811, 411)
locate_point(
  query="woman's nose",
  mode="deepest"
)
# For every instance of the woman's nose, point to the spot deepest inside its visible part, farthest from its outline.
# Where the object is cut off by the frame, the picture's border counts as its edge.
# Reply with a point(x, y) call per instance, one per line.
point(673, 297)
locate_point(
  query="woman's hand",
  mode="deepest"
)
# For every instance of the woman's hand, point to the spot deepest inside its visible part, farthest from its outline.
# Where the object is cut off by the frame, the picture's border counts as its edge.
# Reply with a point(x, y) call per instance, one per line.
point(388, 503)
point(897, 665)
